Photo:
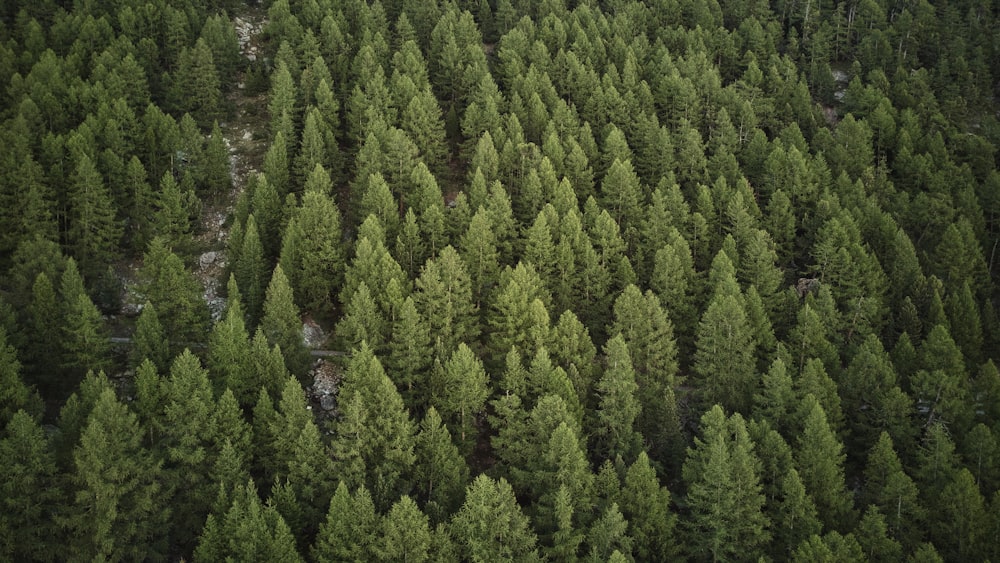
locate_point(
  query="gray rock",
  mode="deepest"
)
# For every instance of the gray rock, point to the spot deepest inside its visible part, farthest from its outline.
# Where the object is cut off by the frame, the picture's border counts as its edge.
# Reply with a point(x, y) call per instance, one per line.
point(208, 258)
point(328, 402)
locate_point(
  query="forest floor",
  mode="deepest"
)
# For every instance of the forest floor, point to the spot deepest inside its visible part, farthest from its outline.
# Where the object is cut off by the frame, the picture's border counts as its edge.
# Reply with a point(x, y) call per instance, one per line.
point(245, 138)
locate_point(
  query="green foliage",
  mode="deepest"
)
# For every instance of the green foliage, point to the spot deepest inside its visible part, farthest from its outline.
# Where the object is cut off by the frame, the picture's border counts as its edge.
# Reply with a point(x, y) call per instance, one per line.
point(30, 491)
point(282, 325)
point(724, 492)
point(119, 509)
point(490, 523)
point(788, 209)
point(247, 530)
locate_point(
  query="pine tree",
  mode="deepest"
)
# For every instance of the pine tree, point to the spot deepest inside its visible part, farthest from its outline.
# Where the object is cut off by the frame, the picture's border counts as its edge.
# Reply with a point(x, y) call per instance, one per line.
point(14, 394)
point(646, 505)
point(362, 321)
point(85, 342)
point(215, 170)
point(564, 467)
point(796, 517)
point(490, 524)
point(958, 533)
point(459, 392)
point(176, 294)
point(229, 350)
point(618, 406)
point(444, 298)
point(189, 433)
point(246, 531)
point(511, 317)
point(820, 461)
point(872, 534)
point(375, 428)
point(149, 340)
point(410, 354)
point(44, 324)
point(573, 350)
point(724, 358)
point(29, 489)
point(94, 230)
point(172, 220)
point(118, 510)
point(406, 534)
point(937, 463)
point(282, 326)
point(479, 252)
point(198, 84)
point(350, 528)
point(305, 472)
point(650, 337)
point(440, 473)
point(892, 492)
point(724, 491)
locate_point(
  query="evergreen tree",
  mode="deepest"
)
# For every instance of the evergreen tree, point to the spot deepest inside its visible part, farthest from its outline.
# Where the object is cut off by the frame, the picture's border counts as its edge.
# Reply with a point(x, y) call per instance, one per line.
point(650, 337)
point(820, 461)
point(375, 428)
point(362, 321)
point(959, 534)
point(197, 83)
point(618, 406)
point(490, 524)
point(440, 474)
point(246, 531)
point(409, 356)
point(892, 492)
point(189, 434)
point(724, 491)
point(646, 505)
point(149, 341)
point(796, 519)
point(460, 391)
point(30, 491)
point(44, 324)
point(724, 358)
point(14, 394)
point(250, 272)
point(444, 298)
point(350, 528)
point(176, 294)
point(119, 511)
point(172, 219)
point(85, 342)
point(872, 534)
point(94, 230)
point(229, 350)
point(215, 170)
point(282, 326)
point(479, 251)
point(406, 534)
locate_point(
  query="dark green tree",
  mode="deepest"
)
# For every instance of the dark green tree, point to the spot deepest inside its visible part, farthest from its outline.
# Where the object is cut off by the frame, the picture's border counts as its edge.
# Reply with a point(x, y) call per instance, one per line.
point(440, 473)
point(490, 524)
point(618, 407)
point(646, 505)
point(459, 391)
point(30, 492)
point(246, 531)
point(374, 431)
point(176, 294)
point(724, 491)
point(149, 340)
point(350, 529)
point(282, 325)
point(118, 512)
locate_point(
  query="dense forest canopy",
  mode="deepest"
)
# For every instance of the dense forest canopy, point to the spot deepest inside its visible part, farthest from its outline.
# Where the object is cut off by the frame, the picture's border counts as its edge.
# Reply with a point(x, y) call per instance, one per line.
point(601, 280)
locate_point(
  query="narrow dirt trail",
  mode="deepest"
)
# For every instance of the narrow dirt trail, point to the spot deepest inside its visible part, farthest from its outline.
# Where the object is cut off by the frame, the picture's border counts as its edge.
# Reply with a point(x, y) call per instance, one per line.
point(245, 138)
